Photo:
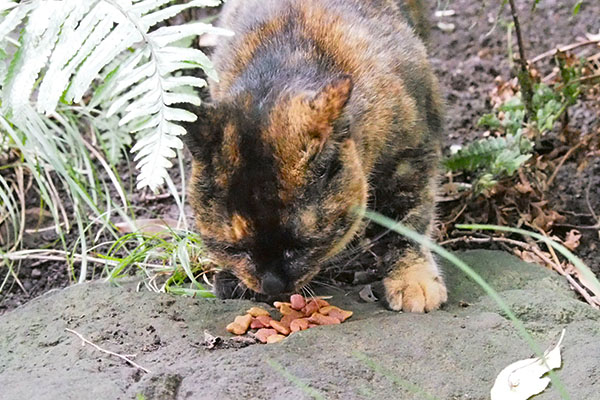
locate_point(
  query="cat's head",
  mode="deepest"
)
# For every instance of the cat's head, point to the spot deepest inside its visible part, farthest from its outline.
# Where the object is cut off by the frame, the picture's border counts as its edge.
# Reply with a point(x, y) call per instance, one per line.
point(275, 187)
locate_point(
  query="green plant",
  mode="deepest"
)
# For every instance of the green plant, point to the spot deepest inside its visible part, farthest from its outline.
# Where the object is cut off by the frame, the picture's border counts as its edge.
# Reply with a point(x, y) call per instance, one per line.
point(493, 158)
point(79, 83)
point(529, 114)
point(180, 259)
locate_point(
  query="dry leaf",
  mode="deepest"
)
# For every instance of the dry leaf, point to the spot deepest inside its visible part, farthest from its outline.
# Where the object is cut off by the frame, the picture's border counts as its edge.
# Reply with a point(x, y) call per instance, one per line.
point(445, 13)
point(593, 37)
point(571, 242)
point(147, 226)
point(446, 27)
point(523, 379)
point(366, 294)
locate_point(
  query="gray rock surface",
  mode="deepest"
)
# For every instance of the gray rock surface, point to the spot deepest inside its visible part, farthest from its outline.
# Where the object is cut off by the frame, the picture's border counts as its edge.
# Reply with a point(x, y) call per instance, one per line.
point(455, 353)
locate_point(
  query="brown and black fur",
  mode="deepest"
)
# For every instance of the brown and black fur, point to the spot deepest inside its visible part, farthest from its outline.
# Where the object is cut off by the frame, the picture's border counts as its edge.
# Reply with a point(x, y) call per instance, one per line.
point(323, 107)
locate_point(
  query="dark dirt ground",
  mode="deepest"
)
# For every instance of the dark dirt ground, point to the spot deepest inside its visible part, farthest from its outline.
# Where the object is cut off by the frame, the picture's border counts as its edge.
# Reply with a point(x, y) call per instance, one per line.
point(467, 61)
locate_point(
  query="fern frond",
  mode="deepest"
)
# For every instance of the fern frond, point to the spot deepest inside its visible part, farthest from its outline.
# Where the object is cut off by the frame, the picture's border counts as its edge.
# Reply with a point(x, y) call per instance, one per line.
point(496, 153)
point(476, 154)
point(66, 45)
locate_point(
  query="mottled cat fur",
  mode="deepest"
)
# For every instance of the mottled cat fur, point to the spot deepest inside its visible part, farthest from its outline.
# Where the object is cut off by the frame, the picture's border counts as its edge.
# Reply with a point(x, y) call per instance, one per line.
point(323, 107)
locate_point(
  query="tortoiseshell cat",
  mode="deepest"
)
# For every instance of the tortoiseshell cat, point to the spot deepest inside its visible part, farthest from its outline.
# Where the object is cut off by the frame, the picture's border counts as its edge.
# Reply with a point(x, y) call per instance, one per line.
point(322, 106)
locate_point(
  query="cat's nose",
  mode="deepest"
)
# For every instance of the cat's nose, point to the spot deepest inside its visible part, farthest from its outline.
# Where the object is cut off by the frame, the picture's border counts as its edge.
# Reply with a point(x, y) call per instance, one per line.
point(272, 284)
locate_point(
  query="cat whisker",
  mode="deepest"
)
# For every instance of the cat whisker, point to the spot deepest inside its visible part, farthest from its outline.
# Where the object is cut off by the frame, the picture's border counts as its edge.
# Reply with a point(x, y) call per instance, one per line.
point(324, 284)
point(310, 291)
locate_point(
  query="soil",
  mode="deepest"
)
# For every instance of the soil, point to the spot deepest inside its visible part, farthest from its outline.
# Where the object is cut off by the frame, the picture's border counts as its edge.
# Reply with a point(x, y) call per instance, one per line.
point(467, 60)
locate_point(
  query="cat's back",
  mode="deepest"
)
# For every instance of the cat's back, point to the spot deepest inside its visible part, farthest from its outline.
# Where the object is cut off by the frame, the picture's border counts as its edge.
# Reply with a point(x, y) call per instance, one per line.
point(284, 46)
point(359, 36)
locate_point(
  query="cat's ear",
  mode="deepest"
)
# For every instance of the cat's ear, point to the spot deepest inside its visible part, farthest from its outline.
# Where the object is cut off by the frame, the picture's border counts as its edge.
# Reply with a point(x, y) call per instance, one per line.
point(327, 106)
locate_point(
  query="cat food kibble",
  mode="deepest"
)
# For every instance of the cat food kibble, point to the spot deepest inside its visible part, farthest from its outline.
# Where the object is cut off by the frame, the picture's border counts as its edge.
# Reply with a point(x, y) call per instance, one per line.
point(262, 321)
point(297, 301)
point(336, 313)
point(299, 324)
point(240, 325)
point(275, 338)
point(297, 315)
point(257, 312)
point(263, 334)
point(279, 327)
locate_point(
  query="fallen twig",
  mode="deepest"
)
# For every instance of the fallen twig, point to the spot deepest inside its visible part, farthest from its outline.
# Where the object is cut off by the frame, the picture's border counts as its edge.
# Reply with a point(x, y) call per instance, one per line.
point(562, 49)
point(589, 203)
point(121, 356)
point(555, 265)
point(561, 163)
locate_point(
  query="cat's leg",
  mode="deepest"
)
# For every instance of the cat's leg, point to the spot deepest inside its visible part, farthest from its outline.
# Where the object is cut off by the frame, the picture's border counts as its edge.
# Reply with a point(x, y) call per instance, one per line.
point(414, 284)
point(413, 281)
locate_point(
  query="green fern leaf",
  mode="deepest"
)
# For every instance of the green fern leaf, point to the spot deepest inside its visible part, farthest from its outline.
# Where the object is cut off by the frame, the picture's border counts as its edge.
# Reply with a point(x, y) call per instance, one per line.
point(66, 46)
point(476, 155)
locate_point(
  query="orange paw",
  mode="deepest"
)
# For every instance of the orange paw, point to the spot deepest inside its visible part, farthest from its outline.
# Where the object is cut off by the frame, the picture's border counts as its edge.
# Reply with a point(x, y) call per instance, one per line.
point(417, 289)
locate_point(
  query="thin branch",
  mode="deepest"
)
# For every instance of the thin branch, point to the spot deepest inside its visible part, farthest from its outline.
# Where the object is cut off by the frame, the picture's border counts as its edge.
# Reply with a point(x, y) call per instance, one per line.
point(561, 163)
point(562, 49)
point(524, 76)
point(589, 203)
point(122, 357)
point(60, 255)
point(536, 250)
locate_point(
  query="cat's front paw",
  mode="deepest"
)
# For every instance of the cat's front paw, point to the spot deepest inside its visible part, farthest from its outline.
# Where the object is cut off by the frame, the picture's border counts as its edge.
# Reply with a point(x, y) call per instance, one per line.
point(415, 290)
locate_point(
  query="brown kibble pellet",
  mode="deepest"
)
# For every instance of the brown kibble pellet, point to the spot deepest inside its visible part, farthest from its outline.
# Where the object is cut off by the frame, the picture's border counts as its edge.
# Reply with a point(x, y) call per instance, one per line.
point(310, 308)
point(236, 328)
point(314, 305)
point(287, 310)
point(279, 327)
point(275, 339)
point(321, 319)
point(298, 302)
point(340, 314)
point(278, 304)
point(299, 324)
point(244, 320)
point(336, 312)
point(262, 321)
point(240, 325)
point(325, 310)
point(257, 312)
point(263, 334)
point(287, 320)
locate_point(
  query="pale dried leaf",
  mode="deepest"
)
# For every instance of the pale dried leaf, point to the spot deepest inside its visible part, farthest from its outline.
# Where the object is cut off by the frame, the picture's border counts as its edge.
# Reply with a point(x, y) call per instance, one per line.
point(571, 242)
point(446, 27)
point(366, 294)
point(524, 379)
point(147, 225)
